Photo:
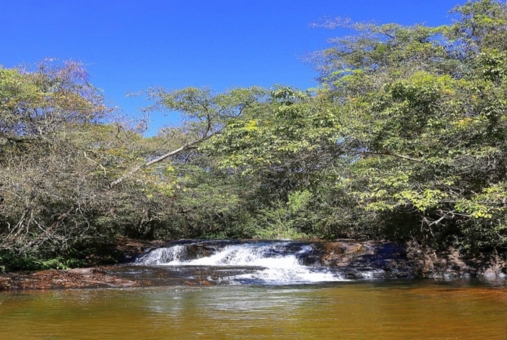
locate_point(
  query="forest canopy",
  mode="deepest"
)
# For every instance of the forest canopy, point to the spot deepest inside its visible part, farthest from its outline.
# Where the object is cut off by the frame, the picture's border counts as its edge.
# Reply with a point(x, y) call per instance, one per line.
point(405, 139)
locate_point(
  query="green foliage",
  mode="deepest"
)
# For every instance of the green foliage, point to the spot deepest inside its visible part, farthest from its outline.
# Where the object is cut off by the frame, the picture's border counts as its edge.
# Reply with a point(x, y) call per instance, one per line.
point(407, 131)
point(405, 139)
point(12, 262)
point(204, 113)
point(286, 220)
point(427, 121)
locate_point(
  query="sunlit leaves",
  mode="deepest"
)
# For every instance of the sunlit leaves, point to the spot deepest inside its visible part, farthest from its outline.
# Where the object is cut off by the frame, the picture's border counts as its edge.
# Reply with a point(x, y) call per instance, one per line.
point(425, 109)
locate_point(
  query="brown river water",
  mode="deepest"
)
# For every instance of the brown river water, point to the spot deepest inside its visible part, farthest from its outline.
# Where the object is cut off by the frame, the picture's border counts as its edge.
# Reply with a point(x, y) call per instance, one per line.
point(403, 309)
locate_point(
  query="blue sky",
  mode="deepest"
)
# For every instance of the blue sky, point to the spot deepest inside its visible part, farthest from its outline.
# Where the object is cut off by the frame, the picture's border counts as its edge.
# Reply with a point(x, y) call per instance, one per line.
point(130, 45)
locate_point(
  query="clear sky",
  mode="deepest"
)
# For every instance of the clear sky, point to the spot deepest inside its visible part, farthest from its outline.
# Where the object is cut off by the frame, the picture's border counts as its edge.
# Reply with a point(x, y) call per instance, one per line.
point(130, 45)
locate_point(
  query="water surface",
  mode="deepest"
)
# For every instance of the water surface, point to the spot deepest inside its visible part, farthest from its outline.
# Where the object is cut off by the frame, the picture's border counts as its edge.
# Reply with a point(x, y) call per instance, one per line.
point(341, 310)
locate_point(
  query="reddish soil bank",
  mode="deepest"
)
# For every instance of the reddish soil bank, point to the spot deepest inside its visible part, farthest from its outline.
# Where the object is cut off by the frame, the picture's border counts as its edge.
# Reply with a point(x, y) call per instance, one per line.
point(125, 250)
point(59, 279)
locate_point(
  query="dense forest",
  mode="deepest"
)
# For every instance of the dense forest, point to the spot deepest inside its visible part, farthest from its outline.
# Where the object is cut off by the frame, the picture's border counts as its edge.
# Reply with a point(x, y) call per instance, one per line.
point(405, 139)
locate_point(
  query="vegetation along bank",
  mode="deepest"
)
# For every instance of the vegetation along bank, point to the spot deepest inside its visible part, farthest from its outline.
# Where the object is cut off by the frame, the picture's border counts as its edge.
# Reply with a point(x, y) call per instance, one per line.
point(404, 140)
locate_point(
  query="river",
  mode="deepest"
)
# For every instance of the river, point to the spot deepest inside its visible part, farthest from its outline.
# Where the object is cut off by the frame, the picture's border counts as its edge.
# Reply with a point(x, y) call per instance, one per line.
point(256, 298)
point(359, 310)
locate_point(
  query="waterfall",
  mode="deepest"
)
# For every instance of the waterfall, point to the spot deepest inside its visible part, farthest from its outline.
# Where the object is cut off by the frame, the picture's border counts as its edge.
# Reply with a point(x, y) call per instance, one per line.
point(163, 256)
point(280, 262)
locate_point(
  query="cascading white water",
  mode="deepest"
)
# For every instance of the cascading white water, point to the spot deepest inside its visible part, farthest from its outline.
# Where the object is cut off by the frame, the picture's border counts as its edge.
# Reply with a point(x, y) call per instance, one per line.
point(163, 256)
point(273, 263)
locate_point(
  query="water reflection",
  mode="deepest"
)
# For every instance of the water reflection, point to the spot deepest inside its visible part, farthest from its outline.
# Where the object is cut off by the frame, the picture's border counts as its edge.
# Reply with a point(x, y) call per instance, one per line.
point(407, 310)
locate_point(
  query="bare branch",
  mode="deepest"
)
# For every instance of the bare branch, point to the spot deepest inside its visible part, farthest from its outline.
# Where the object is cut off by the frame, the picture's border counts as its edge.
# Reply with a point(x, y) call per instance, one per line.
point(184, 147)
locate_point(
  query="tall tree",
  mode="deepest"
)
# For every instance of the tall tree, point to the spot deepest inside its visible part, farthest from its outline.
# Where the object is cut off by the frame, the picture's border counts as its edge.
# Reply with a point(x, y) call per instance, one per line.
point(408, 127)
point(425, 107)
point(204, 116)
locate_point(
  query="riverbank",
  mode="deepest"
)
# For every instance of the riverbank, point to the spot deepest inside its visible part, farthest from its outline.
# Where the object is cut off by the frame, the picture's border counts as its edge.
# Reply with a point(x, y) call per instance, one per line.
point(97, 275)
point(386, 260)
point(64, 279)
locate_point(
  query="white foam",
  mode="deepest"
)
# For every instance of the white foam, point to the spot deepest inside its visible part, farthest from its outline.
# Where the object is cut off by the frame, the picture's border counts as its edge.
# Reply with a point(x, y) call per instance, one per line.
point(372, 274)
point(275, 265)
point(248, 255)
point(289, 276)
point(163, 256)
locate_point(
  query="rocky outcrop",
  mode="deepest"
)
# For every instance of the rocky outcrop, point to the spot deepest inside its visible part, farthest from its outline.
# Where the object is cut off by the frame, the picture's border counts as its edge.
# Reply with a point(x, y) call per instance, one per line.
point(451, 264)
point(383, 260)
point(353, 260)
point(409, 260)
point(63, 279)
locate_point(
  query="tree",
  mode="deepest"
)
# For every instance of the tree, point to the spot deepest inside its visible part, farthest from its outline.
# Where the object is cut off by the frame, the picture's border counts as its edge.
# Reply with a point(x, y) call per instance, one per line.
point(205, 115)
point(45, 178)
point(425, 108)
point(407, 131)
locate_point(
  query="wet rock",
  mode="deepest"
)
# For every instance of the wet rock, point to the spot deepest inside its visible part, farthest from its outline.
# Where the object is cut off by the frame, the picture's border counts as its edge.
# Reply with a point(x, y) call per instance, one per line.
point(352, 260)
point(310, 260)
point(59, 279)
point(199, 250)
point(451, 264)
point(361, 259)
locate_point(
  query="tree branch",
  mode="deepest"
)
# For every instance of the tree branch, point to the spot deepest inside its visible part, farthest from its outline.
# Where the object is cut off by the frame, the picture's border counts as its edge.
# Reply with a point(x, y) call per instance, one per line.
point(184, 147)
